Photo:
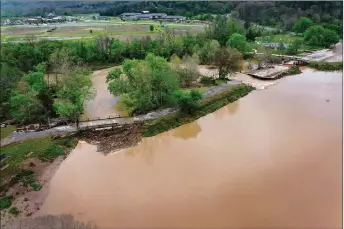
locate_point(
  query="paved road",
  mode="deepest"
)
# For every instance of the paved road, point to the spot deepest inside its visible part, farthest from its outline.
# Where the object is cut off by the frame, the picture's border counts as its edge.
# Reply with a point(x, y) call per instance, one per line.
point(62, 130)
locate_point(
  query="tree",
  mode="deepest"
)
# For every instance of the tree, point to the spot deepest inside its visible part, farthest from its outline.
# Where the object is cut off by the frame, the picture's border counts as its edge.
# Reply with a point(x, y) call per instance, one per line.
point(207, 52)
point(25, 105)
point(148, 85)
point(222, 28)
point(235, 14)
point(318, 36)
point(228, 60)
point(151, 28)
point(188, 73)
point(76, 88)
point(9, 76)
point(302, 25)
point(253, 32)
point(188, 102)
point(61, 62)
point(239, 42)
point(293, 48)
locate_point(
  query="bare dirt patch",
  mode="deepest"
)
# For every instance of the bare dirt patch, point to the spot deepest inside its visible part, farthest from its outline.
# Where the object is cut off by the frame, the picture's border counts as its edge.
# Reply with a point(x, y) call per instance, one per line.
point(26, 200)
point(108, 141)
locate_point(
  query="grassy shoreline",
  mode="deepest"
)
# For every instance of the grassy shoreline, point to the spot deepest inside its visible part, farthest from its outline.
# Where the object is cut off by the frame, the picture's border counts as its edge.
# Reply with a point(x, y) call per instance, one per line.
point(209, 105)
point(326, 66)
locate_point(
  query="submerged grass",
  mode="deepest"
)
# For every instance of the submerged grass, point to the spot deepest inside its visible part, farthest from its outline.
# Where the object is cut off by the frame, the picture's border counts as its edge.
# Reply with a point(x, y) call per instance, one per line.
point(208, 105)
point(6, 201)
point(326, 66)
point(14, 211)
point(5, 131)
point(44, 148)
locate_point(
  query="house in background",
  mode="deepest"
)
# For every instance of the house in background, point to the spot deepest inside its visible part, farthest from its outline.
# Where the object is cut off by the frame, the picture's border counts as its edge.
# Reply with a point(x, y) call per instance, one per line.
point(146, 15)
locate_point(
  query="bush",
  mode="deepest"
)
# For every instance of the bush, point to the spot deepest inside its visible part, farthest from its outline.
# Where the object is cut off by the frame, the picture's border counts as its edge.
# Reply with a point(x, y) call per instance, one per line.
point(51, 153)
point(14, 211)
point(36, 187)
point(207, 106)
point(207, 81)
point(293, 70)
point(188, 102)
point(6, 201)
point(326, 66)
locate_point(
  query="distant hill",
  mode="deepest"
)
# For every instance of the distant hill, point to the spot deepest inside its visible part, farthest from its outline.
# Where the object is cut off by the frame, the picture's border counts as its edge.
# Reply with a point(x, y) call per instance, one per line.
point(31, 8)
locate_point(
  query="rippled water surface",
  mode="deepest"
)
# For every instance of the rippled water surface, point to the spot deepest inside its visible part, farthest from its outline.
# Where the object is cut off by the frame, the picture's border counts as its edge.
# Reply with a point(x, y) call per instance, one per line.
point(270, 160)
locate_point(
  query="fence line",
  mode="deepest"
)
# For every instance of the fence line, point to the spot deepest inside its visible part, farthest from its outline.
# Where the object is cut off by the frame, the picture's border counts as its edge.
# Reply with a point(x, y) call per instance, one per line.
point(110, 117)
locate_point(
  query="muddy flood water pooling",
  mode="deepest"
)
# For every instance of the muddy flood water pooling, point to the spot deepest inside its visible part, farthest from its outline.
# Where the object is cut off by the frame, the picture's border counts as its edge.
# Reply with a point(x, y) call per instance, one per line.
point(270, 160)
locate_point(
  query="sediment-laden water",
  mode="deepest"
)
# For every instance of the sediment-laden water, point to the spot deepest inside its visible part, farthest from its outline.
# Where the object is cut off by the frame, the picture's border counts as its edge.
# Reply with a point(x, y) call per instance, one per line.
point(270, 160)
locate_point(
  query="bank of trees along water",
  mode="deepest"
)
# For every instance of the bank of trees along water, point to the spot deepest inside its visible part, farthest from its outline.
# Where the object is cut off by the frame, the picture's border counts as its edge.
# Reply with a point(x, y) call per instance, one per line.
point(41, 79)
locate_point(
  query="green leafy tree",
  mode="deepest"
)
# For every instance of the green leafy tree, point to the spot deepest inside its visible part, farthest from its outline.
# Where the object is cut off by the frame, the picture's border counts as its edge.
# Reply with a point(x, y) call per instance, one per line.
point(222, 28)
point(293, 48)
point(207, 52)
point(318, 36)
point(148, 84)
point(188, 102)
point(117, 50)
point(9, 76)
point(302, 25)
point(25, 105)
point(151, 28)
point(113, 74)
point(76, 88)
point(253, 32)
point(228, 61)
point(239, 42)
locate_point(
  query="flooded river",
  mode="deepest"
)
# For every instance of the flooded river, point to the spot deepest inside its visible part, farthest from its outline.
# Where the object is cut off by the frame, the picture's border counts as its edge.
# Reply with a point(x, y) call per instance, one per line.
point(270, 160)
point(103, 104)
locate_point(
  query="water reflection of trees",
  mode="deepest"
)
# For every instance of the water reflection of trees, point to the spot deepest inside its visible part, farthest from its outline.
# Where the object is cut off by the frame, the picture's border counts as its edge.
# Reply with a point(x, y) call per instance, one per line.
point(148, 146)
point(229, 109)
point(190, 130)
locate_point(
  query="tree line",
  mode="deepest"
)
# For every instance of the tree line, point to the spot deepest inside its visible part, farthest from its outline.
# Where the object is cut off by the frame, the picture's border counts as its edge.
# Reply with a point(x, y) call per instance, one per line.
point(39, 78)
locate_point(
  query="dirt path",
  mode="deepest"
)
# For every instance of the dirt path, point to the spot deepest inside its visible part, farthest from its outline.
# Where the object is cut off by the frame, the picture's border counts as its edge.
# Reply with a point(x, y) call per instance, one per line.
point(103, 104)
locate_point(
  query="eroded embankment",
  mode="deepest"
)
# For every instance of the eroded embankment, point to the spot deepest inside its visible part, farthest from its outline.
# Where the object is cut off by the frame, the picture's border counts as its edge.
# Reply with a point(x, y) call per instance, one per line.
point(108, 140)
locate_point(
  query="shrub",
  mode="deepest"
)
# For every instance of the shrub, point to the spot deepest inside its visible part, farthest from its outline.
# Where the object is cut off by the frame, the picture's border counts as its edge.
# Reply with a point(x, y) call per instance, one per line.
point(36, 187)
point(6, 201)
point(207, 106)
point(293, 70)
point(188, 102)
point(51, 153)
point(207, 81)
point(14, 211)
point(326, 66)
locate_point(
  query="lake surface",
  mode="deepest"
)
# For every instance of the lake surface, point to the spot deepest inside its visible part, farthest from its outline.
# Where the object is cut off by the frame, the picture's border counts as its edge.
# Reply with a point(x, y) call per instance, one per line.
point(273, 159)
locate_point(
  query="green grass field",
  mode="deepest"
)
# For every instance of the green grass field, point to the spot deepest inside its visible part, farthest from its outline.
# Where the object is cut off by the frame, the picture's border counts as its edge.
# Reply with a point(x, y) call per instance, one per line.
point(90, 29)
point(44, 148)
point(6, 131)
point(287, 38)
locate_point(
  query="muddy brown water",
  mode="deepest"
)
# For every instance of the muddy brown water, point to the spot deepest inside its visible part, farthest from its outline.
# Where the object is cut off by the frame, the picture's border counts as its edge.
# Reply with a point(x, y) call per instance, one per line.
point(270, 160)
point(103, 104)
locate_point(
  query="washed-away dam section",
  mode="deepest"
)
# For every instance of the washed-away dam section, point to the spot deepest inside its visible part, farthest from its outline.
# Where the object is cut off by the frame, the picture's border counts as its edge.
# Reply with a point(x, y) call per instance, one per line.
point(272, 159)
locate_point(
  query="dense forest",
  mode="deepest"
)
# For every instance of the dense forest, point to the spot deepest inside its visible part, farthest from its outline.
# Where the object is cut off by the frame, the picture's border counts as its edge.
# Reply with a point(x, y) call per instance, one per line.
point(39, 8)
point(185, 8)
point(282, 14)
